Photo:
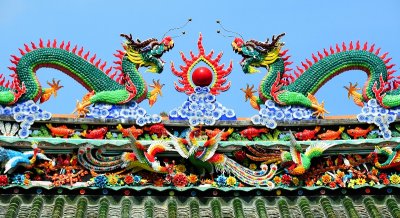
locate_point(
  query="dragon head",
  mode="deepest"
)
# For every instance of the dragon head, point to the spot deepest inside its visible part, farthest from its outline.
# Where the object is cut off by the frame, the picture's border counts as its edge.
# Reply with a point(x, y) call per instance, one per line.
point(256, 53)
point(148, 53)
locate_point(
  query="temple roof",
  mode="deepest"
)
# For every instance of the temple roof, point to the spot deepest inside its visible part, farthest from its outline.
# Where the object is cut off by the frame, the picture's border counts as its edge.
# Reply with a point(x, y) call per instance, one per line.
point(168, 206)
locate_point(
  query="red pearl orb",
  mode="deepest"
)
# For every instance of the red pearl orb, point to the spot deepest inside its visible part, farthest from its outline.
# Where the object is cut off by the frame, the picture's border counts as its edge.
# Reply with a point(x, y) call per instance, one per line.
point(202, 76)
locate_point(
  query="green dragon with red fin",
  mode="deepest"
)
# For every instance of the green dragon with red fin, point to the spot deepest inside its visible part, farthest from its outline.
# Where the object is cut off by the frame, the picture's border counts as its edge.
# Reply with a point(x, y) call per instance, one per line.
point(103, 85)
point(282, 87)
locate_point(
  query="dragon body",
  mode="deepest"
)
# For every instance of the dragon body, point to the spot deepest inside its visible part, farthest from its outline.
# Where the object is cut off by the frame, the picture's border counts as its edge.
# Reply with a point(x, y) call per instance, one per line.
point(285, 89)
point(103, 85)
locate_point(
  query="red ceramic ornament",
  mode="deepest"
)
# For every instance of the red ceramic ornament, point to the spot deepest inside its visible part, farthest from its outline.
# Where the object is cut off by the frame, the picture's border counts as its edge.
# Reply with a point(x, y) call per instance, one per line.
point(202, 76)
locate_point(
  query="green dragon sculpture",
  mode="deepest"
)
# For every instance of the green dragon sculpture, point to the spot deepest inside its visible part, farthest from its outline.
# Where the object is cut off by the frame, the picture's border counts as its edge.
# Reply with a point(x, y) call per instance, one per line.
point(102, 85)
point(282, 87)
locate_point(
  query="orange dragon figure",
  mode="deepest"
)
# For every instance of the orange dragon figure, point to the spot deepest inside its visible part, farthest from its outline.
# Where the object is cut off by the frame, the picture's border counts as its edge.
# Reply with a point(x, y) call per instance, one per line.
point(48, 92)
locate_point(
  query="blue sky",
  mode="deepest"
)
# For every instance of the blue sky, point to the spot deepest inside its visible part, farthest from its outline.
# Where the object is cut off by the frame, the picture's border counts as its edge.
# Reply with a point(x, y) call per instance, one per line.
point(310, 26)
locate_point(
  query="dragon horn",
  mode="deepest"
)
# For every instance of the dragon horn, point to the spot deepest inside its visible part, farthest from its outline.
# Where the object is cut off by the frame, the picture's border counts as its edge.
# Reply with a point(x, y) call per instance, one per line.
point(138, 43)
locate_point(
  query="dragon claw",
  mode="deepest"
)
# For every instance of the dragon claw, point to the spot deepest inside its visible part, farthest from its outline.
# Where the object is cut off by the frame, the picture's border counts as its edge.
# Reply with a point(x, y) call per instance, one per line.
point(55, 86)
point(319, 108)
point(81, 108)
point(249, 95)
point(157, 86)
point(48, 92)
point(352, 92)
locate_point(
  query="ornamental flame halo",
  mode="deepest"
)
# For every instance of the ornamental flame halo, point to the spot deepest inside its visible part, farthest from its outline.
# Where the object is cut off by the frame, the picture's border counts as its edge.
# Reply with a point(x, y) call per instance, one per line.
point(219, 81)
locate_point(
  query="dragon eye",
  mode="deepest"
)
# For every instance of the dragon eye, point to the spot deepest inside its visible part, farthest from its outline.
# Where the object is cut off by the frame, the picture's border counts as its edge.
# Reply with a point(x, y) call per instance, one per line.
point(156, 47)
point(250, 48)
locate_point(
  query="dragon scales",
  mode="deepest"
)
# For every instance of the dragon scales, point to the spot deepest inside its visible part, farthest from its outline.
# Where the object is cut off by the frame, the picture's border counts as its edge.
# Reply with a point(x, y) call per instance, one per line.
point(285, 89)
point(103, 85)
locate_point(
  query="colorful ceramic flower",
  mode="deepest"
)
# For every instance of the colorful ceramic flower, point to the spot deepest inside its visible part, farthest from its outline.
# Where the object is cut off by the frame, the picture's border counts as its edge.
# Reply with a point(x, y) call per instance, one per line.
point(332, 185)
point(386, 181)
point(180, 180)
point(27, 181)
point(395, 179)
point(277, 180)
point(100, 181)
point(3, 180)
point(113, 179)
point(18, 179)
point(180, 168)
point(252, 166)
point(326, 178)
point(383, 176)
point(193, 179)
point(231, 181)
point(310, 182)
point(221, 180)
point(340, 174)
point(351, 183)
point(295, 181)
point(143, 181)
point(360, 181)
point(286, 179)
point(128, 179)
point(159, 183)
point(137, 179)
